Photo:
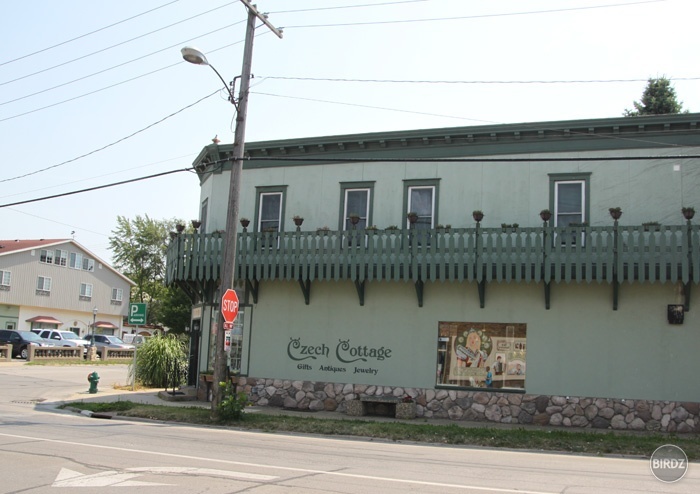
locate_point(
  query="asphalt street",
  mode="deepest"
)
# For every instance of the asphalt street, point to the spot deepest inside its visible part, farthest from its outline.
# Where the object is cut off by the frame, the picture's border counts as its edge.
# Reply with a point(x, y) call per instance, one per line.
point(42, 448)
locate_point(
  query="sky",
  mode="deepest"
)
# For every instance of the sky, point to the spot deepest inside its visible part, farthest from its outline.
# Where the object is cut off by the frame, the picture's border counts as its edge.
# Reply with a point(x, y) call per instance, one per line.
point(96, 93)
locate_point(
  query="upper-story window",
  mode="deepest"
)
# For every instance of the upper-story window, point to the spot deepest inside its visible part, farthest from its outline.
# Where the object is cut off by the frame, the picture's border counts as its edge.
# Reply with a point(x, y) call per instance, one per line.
point(5, 278)
point(46, 256)
point(270, 208)
point(43, 284)
point(569, 198)
point(60, 257)
point(420, 197)
point(356, 200)
point(86, 290)
point(203, 215)
point(78, 261)
point(117, 295)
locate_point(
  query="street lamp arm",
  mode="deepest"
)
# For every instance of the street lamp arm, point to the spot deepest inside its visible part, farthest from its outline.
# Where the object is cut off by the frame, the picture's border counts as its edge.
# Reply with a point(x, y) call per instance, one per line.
point(193, 55)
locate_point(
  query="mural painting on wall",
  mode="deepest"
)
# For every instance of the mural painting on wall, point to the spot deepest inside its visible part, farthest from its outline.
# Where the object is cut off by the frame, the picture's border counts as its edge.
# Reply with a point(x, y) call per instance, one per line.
point(482, 355)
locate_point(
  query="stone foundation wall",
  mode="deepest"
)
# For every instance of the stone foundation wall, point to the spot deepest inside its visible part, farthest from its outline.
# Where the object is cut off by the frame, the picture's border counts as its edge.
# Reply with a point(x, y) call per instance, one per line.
point(507, 408)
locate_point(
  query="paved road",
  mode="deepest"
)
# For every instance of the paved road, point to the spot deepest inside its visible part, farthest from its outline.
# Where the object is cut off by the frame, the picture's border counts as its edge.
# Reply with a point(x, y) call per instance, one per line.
point(42, 449)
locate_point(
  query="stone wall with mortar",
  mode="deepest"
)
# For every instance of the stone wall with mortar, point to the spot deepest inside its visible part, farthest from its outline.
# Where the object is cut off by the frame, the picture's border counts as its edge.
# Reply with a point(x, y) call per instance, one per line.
point(492, 406)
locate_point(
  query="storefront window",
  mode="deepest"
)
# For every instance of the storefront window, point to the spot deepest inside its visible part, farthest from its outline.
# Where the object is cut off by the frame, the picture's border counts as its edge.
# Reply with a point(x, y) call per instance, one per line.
point(481, 355)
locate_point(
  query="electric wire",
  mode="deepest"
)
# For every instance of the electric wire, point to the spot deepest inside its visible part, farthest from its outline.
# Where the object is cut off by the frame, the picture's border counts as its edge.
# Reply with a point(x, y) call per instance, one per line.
point(368, 160)
point(318, 9)
point(121, 64)
point(98, 187)
point(426, 81)
point(87, 34)
point(110, 47)
point(112, 143)
point(479, 16)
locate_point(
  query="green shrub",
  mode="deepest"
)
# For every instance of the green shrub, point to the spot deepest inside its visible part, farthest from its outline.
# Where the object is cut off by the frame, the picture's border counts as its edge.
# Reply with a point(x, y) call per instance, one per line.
point(161, 362)
point(232, 403)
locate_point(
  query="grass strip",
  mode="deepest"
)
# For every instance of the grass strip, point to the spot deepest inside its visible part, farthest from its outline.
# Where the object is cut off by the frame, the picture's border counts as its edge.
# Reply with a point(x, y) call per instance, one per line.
point(595, 443)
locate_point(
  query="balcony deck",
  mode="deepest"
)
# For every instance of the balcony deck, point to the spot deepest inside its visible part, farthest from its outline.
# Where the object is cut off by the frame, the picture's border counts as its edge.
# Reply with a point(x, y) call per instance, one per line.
point(610, 255)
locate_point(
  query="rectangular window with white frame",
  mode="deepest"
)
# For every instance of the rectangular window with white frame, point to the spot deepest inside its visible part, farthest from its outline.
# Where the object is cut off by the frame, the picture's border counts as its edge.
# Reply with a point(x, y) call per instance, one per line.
point(569, 199)
point(46, 256)
point(117, 295)
point(76, 260)
point(269, 207)
point(43, 284)
point(60, 257)
point(5, 278)
point(270, 212)
point(569, 203)
point(86, 290)
point(356, 208)
point(421, 200)
point(88, 264)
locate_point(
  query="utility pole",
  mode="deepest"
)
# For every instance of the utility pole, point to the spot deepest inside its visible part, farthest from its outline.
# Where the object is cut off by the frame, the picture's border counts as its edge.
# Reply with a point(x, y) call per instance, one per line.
point(233, 197)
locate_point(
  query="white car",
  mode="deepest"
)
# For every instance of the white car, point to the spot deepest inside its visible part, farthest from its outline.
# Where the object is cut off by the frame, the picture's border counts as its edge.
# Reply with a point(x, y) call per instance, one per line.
point(61, 338)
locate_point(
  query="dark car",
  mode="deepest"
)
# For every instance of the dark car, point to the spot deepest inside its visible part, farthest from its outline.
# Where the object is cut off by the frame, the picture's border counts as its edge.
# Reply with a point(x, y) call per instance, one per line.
point(20, 341)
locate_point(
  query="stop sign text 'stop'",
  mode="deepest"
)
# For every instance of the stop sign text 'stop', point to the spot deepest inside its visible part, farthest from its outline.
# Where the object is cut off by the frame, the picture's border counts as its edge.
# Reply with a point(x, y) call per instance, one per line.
point(229, 305)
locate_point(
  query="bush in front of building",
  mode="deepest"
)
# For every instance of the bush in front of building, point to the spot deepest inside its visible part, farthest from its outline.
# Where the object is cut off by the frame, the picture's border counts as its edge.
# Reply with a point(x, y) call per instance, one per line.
point(233, 403)
point(161, 362)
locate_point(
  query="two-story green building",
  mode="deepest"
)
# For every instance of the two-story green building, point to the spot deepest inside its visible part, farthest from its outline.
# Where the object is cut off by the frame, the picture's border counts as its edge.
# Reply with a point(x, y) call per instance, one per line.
point(483, 271)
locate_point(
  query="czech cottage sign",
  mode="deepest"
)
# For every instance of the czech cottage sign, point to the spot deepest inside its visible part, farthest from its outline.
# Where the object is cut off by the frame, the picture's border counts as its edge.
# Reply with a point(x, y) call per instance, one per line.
point(229, 305)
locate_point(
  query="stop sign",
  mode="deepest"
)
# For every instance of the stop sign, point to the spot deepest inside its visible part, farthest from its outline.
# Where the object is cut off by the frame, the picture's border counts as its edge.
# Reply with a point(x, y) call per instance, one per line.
point(229, 305)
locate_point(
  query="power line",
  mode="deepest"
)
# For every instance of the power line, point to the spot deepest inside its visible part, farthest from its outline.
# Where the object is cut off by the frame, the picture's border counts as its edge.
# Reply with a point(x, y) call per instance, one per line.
point(112, 46)
point(114, 184)
point(371, 160)
point(112, 143)
point(86, 34)
point(425, 81)
point(318, 9)
point(480, 16)
point(122, 64)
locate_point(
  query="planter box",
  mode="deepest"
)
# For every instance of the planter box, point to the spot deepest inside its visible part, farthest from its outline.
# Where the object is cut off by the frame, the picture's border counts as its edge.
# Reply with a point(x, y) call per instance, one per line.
point(356, 408)
point(405, 411)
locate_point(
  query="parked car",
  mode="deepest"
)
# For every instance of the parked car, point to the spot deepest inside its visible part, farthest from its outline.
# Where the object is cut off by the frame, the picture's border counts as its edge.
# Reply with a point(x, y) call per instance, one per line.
point(61, 338)
point(109, 341)
point(21, 340)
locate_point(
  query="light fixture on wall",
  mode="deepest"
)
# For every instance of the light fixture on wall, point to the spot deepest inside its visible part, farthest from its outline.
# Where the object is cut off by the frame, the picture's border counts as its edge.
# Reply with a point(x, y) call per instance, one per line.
point(675, 313)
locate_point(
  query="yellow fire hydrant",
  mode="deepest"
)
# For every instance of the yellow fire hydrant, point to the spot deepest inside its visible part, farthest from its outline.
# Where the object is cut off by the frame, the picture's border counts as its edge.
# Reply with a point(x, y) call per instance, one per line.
point(93, 379)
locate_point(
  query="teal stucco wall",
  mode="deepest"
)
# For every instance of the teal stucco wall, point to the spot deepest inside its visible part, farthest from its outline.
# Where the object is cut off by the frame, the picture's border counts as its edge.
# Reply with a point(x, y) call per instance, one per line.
point(581, 347)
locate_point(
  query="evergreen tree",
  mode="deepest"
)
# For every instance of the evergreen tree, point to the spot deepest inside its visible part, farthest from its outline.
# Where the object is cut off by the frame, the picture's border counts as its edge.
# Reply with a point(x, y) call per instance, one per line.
point(659, 98)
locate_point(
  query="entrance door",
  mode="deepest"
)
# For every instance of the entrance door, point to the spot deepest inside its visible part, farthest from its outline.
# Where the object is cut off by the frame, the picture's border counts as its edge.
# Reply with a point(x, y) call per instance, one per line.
point(194, 352)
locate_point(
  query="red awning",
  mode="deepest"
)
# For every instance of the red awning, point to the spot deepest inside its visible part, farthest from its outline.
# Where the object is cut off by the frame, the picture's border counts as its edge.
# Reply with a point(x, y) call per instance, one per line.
point(45, 320)
point(105, 325)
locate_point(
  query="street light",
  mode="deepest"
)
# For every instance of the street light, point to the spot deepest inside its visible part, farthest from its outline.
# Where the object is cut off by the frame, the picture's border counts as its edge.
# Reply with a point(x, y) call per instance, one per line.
point(196, 57)
point(193, 55)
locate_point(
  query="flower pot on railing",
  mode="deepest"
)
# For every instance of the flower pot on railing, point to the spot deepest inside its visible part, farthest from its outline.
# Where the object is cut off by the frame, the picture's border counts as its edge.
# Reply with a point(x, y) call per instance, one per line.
point(412, 218)
point(615, 213)
point(688, 213)
point(546, 215)
point(298, 220)
point(478, 216)
point(244, 222)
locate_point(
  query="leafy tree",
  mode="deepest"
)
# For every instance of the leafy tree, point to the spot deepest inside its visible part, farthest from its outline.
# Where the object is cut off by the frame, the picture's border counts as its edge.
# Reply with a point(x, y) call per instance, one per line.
point(175, 310)
point(139, 249)
point(659, 98)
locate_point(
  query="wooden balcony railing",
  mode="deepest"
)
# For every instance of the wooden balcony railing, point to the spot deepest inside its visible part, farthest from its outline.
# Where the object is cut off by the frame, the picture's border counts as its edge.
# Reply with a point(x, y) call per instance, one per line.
point(573, 254)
